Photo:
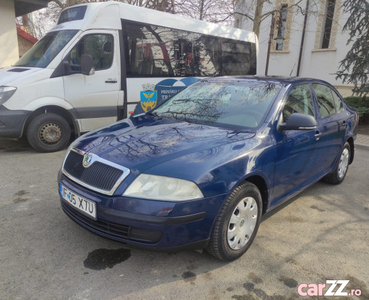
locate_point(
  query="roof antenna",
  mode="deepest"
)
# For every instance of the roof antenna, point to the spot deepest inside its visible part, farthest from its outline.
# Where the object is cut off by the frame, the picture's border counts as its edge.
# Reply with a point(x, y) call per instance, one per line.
point(292, 69)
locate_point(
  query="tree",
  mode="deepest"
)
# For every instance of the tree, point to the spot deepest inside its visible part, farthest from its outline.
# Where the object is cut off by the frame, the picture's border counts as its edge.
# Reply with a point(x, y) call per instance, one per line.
point(162, 5)
point(221, 11)
point(354, 68)
point(43, 20)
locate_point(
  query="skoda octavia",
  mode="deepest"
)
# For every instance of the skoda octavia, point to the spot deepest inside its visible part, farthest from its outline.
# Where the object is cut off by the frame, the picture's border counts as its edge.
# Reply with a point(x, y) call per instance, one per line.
point(201, 169)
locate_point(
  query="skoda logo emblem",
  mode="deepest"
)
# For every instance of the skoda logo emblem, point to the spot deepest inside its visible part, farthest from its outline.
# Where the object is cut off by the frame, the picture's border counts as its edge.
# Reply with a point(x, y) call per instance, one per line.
point(87, 160)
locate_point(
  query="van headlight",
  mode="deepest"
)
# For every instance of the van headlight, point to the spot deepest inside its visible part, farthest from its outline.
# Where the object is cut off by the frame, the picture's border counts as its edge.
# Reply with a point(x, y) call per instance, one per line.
point(6, 92)
point(163, 188)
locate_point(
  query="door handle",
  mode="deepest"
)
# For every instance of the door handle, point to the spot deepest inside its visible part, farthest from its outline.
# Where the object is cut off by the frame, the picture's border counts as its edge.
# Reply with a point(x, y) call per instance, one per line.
point(317, 135)
point(109, 80)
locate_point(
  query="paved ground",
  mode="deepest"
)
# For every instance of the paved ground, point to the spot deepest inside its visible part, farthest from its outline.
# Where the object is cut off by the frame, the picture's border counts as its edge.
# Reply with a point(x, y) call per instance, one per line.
point(319, 235)
point(362, 141)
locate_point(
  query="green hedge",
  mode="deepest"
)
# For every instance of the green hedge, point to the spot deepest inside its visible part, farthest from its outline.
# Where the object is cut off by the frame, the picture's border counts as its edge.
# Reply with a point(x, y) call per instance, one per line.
point(361, 104)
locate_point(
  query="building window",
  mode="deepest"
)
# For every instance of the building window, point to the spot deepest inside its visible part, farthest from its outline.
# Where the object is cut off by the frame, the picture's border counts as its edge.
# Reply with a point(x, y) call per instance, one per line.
point(328, 22)
point(327, 25)
point(281, 27)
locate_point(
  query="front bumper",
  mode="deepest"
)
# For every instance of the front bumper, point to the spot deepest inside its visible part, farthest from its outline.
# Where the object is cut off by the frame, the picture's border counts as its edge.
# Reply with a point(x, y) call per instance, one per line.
point(155, 225)
point(12, 122)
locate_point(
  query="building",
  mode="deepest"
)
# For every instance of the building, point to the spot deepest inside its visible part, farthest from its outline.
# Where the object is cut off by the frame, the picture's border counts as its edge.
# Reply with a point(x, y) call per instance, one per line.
point(307, 48)
point(25, 41)
point(9, 10)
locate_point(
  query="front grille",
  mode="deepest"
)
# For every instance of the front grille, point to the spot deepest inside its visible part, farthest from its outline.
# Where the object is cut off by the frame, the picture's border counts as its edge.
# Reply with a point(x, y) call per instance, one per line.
point(100, 176)
point(113, 230)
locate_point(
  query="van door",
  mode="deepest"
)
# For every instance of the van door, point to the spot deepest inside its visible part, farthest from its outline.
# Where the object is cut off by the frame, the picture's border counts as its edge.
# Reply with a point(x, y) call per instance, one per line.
point(95, 97)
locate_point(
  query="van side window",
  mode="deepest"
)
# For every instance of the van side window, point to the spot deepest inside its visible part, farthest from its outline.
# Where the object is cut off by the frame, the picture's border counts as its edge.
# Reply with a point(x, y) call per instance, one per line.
point(155, 51)
point(99, 46)
point(299, 101)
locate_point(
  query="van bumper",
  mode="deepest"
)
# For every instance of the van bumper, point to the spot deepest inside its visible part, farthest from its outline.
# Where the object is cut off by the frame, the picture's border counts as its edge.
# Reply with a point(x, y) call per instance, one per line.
point(12, 122)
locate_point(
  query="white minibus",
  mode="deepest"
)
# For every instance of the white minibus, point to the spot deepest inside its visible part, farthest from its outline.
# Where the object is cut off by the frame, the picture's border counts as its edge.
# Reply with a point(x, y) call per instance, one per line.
point(104, 61)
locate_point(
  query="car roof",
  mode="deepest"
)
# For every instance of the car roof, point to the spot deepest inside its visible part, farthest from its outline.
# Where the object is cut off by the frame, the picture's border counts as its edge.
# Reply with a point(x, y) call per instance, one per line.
point(275, 79)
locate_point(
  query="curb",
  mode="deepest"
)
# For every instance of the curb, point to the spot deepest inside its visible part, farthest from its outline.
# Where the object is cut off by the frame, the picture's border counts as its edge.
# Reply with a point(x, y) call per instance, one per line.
point(361, 146)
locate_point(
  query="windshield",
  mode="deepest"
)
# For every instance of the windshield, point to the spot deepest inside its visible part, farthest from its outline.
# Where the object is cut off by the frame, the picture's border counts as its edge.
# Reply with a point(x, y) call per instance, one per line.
point(42, 53)
point(235, 104)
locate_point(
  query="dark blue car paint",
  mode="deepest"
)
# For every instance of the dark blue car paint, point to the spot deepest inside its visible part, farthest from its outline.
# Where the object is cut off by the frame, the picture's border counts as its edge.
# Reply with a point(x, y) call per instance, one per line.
point(280, 163)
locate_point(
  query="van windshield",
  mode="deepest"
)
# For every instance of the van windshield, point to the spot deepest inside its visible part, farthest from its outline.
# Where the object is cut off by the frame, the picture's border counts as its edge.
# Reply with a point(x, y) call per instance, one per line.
point(42, 53)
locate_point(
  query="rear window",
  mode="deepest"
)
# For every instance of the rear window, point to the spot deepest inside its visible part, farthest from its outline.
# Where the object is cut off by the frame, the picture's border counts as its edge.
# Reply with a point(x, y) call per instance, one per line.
point(72, 14)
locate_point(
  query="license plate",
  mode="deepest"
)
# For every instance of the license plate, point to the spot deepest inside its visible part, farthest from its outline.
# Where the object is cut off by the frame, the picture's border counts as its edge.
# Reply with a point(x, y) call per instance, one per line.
point(82, 204)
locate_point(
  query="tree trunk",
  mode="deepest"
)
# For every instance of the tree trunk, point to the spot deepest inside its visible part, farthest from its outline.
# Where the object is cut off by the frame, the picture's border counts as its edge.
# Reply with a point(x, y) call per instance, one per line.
point(201, 9)
point(25, 22)
point(257, 18)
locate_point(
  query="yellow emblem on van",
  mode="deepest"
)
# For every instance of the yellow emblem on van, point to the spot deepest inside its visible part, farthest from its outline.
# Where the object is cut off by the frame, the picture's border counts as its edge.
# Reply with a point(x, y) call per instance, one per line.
point(149, 100)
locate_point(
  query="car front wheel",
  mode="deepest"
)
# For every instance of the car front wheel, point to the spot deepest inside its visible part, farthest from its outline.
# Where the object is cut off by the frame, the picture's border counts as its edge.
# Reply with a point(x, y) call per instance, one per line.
point(237, 223)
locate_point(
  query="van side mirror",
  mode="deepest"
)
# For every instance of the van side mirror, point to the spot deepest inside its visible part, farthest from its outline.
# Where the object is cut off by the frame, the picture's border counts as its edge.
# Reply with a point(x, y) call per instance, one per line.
point(66, 67)
point(87, 65)
point(63, 69)
point(298, 121)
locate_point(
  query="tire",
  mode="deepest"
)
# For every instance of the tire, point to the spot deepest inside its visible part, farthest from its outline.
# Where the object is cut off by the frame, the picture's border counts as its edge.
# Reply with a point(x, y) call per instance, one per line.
point(339, 173)
point(237, 223)
point(48, 133)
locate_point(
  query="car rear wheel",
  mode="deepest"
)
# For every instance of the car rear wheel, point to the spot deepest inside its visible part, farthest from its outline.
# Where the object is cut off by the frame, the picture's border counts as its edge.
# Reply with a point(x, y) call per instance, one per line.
point(339, 173)
point(237, 223)
point(48, 133)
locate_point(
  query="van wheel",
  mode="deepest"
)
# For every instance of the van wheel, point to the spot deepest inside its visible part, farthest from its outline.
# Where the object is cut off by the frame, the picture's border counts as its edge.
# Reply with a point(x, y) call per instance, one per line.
point(237, 223)
point(48, 133)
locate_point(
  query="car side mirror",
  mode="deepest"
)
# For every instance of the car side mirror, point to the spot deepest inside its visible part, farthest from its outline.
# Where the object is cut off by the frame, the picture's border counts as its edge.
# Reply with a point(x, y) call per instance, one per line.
point(87, 65)
point(298, 121)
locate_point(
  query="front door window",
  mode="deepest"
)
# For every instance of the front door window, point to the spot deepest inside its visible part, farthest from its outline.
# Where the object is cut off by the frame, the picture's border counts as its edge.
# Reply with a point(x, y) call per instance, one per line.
point(99, 46)
point(299, 101)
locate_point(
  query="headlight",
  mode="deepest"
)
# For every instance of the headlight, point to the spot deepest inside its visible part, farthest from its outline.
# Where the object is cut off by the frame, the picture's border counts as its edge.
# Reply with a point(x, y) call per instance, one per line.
point(155, 187)
point(6, 92)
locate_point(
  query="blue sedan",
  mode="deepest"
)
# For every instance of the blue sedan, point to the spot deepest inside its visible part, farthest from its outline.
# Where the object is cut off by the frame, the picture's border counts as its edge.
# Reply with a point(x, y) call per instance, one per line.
point(201, 169)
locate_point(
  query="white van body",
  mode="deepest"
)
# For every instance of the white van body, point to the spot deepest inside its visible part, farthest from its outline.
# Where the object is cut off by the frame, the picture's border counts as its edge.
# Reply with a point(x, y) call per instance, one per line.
point(39, 101)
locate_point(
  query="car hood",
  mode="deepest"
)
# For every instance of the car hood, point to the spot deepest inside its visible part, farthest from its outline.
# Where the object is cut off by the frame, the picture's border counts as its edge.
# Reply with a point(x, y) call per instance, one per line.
point(143, 142)
point(8, 75)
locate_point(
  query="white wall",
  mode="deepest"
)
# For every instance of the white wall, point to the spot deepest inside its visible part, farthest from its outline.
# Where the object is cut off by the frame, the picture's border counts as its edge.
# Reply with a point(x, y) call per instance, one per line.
point(8, 34)
point(316, 63)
